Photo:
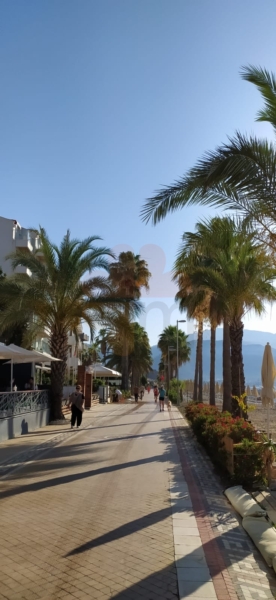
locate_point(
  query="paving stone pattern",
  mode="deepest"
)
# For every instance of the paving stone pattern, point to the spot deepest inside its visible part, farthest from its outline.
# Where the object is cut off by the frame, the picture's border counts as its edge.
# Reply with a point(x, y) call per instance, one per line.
point(18, 460)
point(91, 517)
point(237, 568)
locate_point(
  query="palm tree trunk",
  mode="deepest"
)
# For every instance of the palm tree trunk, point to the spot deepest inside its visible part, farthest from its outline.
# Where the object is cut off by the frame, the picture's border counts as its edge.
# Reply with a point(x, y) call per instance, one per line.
point(237, 368)
point(226, 360)
point(59, 349)
point(125, 366)
point(200, 361)
point(212, 398)
point(125, 375)
point(195, 393)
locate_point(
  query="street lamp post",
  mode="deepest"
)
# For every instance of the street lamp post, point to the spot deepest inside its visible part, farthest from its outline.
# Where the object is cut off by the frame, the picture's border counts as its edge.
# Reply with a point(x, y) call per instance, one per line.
point(177, 384)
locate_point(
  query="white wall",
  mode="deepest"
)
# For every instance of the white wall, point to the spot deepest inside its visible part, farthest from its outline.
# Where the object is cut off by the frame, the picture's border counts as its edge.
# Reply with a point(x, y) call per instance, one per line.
point(7, 243)
point(23, 424)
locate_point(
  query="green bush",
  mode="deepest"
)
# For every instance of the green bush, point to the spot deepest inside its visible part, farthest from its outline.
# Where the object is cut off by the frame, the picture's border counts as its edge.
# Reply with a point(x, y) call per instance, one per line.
point(249, 466)
point(210, 427)
point(172, 391)
point(96, 384)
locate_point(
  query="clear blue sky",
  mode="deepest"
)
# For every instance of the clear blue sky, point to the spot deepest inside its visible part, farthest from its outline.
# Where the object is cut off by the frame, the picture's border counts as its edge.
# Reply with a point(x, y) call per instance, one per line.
point(103, 101)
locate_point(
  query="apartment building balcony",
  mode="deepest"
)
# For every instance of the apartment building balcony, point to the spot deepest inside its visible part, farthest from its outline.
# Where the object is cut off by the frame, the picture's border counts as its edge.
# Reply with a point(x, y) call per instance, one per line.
point(23, 242)
point(24, 270)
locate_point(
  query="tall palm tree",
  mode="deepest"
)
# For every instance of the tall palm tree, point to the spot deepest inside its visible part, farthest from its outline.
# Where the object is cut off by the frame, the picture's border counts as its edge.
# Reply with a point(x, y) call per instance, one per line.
point(196, 250)
point(240, 275)
point(196, 303)
point(55, 298)
point(91, 354)
point(168, 338)
point(239, 175)
point(140, 358)
point(129, 274)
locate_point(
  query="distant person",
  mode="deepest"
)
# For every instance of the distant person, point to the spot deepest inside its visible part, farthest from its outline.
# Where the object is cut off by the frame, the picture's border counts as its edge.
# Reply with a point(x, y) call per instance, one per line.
point(155, 393)
point(118, 395)
point(148, 388)
point(76, 402)
point(136, 393)
point(162, 394)
point(141, 392)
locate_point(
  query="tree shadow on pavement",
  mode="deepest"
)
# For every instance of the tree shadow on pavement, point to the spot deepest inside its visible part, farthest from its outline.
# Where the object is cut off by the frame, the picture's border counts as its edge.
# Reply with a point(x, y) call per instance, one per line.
point(232, 543)
point(48, 483)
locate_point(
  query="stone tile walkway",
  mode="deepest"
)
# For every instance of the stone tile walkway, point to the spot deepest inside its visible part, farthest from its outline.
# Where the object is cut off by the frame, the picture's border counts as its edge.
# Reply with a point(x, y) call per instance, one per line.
point(236, 568)
point(91, 517)
point(127, 508)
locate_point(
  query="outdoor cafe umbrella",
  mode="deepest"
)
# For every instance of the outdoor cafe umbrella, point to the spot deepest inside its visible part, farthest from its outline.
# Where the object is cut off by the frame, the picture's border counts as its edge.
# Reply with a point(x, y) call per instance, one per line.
point(268, 375)
point(102, 371)
point(255, 392)
point(18, 355)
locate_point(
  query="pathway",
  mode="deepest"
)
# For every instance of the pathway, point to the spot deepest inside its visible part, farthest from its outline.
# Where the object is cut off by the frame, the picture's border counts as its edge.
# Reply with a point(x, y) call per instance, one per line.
point(105, 512)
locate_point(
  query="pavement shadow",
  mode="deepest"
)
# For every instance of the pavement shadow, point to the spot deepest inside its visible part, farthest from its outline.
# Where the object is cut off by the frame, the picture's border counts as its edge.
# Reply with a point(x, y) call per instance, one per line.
point(48, 483)
point(232, 545)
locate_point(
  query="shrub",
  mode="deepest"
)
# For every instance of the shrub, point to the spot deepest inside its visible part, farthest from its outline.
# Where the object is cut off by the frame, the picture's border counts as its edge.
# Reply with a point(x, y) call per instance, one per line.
point(96, 384)
point(210, 427)
point(249, 464)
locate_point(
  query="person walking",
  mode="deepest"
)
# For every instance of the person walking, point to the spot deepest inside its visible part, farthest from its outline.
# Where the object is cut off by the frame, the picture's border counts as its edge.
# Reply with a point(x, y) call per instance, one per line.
point(136, 392)
point(155, 393)
point(162, 394)
point(76, 402)
point(148, 388)
point(141, 392)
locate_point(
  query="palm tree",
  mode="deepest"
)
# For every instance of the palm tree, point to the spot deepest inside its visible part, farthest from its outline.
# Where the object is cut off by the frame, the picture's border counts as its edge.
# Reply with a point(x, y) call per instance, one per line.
point(55, 298)
point(240, 276)
point(91, 354)
point(167, 339)
point(128, 275)
point(196, 250)
point(140, 358)
point(239, 175)
point(196, 302)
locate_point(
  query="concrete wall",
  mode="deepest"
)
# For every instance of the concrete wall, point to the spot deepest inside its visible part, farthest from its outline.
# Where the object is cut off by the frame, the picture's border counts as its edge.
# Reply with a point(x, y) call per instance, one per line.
point(23, 423)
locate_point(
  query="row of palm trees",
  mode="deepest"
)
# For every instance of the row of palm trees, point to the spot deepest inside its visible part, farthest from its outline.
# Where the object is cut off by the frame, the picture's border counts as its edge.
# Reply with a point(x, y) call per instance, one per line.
point(223, 272)
point(64, 292)
point(227, 267)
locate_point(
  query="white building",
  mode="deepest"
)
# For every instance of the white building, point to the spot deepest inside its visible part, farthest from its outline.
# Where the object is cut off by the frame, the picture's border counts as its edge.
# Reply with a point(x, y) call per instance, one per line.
point(12, 237)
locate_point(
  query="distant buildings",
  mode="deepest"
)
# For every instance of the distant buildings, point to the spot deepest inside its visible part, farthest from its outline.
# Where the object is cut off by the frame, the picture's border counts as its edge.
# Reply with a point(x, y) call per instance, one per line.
point(13, 236)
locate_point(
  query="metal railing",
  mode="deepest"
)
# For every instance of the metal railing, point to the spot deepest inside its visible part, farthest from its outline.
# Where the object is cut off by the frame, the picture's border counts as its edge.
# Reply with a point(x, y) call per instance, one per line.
point(15, 403)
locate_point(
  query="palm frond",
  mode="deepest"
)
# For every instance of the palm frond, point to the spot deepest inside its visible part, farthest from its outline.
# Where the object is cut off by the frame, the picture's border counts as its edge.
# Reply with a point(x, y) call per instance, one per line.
point(266, 84)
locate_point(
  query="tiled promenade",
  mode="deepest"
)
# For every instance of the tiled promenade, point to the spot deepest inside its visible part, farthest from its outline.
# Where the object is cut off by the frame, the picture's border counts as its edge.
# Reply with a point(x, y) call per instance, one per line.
point(128, 507)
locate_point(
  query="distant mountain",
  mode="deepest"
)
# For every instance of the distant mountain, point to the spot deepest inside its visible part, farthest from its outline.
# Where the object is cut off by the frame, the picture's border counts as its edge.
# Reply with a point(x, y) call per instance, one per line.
point(253, 348)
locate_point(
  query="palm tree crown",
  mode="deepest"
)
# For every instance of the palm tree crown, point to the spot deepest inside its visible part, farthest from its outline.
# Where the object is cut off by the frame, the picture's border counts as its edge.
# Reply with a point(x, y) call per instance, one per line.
point(238, 175)
point(128, 276)
point(56, 298)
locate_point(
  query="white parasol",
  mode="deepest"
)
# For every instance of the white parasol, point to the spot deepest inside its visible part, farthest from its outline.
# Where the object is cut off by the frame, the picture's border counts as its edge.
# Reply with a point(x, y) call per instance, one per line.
point(100, 370)
point(268, 375)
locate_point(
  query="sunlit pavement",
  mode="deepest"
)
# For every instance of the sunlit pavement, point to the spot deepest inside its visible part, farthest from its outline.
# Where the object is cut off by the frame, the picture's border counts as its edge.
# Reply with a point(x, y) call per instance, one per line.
point(128, 507)
point(91, 517)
